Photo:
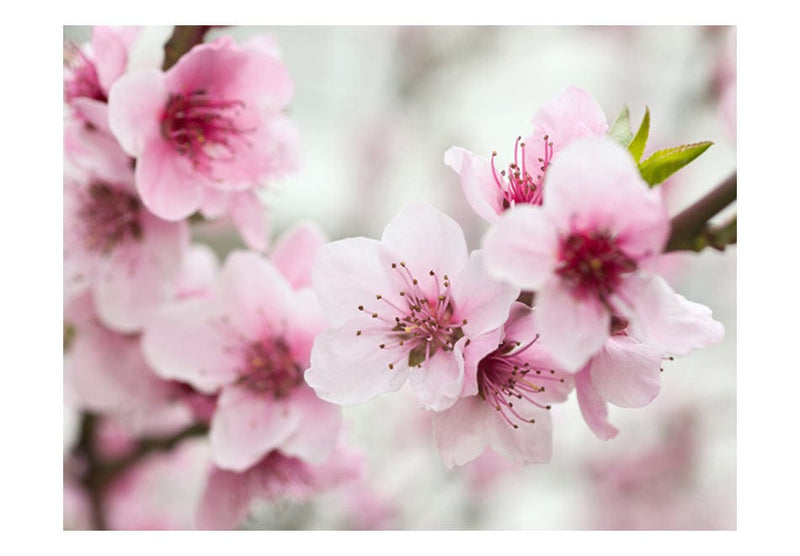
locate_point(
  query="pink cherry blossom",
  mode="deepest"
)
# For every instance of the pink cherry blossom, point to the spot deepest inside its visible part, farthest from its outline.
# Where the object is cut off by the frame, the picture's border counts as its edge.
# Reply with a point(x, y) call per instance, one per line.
point(113, 245)
point(585, 254)
point(208, 127)
point(507, 408)
point(250, 342)
point(570, 115)
point(654, 485)
point(625, 372)
point(105, 371)
point(91, 70)
point(402, 309)
point(161, 492)
point(228, 494)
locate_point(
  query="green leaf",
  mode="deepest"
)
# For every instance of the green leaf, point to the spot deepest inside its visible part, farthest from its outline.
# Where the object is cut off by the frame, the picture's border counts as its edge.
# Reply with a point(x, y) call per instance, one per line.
point(621, 130)
point(662, 164)
point(636, 146)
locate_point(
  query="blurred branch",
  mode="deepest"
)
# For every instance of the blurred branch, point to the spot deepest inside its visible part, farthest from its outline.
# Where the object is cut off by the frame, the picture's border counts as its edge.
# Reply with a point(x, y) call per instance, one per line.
point(98, 473)
point(690, 228)
point(153, 444)
point(91, 481)
point(183, 38)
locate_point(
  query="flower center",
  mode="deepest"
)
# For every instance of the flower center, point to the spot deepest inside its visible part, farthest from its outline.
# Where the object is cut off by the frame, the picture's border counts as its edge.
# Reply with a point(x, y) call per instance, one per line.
point(506, 379)
point(202, 127)
point(518, 186)
point(109, 217)
point(421, 323)
point(268, 366)
point(593, 264)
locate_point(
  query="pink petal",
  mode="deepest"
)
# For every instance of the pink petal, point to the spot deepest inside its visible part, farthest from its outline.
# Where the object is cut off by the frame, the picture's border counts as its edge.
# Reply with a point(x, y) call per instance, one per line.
point(479, 299)
point(571, 114)
point(529, 443)
point(198, 274)
point(111, 54)
point(578, 196)
point(349, 369)
point(460, 432)
point(257, 296)
point(247, 425)
point(295, 251)
point(109, 374)
point(182, 343)
point(135, 104)
point(593, 407)
point(477, 181)
point(523, 247)
point(573, 329)
point(627, 373)
point(136, 279)
point(96, 153)
point(215, 203)
point(439, 381)
point(95, 113)
point(664, 319)
point(249, 215)
point(225, 500)
point(252, 75)
point(521, 325)
point(349, 273)
point(166, 186)
point(284, 154)
point(303, 324)
point(476, 349)
point(315, 437)
point(426, 239)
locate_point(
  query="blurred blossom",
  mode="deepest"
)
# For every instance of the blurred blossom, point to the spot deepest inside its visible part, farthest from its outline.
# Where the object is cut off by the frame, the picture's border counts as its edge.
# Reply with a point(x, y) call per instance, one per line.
point(655, 487)
point(161, 492)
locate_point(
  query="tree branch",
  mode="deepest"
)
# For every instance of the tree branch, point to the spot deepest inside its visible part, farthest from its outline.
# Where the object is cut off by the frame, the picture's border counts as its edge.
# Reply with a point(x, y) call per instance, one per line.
point(690, 228)
point(99, 473)
point(183, 38)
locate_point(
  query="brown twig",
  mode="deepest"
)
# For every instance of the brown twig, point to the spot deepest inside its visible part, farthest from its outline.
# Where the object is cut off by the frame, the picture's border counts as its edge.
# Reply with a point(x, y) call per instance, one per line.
point(690, 228)
point(183, 38)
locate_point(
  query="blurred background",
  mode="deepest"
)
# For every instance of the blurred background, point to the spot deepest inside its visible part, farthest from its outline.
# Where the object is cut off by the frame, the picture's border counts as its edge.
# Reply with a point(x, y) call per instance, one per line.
point(377, 107)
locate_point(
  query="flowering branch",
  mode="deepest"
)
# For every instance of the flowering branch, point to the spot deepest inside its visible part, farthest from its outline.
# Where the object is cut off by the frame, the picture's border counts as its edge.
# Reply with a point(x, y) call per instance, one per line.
point(183, 38)
point(690, 228)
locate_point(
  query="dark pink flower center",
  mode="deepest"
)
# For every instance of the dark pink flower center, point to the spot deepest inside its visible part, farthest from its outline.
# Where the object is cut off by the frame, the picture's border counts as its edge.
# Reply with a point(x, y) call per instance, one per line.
point(510, 384)
point(81, 80)
point(268, 366)
point(518, 186)
point(421, 324)
point(593, 264)
point(202, 128)
point(109, 218)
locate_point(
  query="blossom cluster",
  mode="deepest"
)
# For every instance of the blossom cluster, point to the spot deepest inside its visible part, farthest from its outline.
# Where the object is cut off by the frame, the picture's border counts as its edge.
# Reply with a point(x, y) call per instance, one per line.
point(158, 335)
point(260, 351)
